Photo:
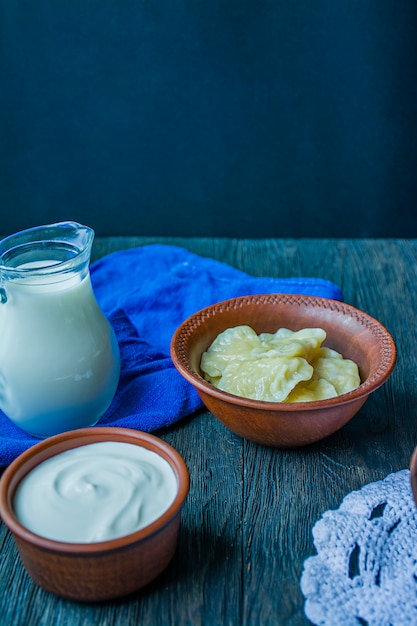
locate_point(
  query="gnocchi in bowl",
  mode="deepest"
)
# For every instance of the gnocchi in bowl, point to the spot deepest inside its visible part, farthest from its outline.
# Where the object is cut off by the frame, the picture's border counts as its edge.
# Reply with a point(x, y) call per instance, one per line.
point(275, 421)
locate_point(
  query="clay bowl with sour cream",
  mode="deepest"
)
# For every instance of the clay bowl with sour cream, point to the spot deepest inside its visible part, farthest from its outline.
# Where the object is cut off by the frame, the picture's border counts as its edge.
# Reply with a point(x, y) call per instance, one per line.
point(351, 332)
point(119, 553)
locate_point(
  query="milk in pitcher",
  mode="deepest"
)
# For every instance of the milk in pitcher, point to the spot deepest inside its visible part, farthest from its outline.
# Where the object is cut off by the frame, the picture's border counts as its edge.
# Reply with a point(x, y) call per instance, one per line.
point(59, 357)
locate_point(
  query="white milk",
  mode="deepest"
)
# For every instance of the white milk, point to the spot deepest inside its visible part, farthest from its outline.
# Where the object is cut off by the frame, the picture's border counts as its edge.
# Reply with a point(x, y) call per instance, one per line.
point(59, 358)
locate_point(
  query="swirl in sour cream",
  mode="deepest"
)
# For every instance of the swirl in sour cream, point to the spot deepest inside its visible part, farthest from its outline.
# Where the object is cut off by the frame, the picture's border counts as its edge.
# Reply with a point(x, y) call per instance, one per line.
point(95, 492)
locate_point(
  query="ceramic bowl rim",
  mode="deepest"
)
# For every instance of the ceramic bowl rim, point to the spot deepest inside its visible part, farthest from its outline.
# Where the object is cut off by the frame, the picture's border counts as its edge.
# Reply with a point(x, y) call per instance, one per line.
point(413, 474)
point(373, 382)
point(51, 446)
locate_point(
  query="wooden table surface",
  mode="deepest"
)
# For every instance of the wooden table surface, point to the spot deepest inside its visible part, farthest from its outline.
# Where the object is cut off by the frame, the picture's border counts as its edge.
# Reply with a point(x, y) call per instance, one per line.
point(246, 525)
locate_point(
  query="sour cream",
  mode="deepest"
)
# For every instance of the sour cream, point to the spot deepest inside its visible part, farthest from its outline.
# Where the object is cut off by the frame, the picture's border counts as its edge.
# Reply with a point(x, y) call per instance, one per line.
point(95, 492)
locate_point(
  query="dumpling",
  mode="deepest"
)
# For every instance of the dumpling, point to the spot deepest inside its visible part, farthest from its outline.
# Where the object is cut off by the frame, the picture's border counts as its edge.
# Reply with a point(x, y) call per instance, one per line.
point(268, 379)
point(312, 390)
point(304, 343)
point(342, 373)
point(233, 344)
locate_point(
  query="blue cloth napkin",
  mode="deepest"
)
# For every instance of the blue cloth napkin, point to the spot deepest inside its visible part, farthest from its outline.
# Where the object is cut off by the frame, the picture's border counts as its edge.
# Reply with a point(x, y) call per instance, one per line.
point(147, 293)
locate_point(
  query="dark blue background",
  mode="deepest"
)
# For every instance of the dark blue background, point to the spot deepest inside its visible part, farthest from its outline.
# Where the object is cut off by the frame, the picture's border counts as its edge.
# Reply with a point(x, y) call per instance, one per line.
point(223, 117)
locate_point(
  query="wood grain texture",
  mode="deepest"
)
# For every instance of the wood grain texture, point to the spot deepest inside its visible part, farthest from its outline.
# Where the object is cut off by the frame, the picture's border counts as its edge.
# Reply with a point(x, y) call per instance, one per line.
point(246, 526)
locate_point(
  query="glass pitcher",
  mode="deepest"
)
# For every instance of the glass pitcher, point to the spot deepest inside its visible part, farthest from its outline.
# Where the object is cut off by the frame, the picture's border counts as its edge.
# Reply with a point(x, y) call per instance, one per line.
point(59, 357)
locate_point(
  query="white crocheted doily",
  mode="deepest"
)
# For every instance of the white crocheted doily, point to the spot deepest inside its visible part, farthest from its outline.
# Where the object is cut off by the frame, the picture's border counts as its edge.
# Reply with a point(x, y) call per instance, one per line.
point(365, 571)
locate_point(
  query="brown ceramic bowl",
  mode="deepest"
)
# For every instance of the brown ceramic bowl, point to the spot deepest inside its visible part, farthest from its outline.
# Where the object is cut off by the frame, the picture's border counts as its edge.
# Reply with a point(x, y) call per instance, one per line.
point(351, 332)
point(413, 474)
point(95, 571)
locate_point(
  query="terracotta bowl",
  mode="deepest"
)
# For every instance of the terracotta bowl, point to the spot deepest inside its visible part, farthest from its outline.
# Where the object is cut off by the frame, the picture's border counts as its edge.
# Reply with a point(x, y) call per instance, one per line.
point(104, 570)
point(413, 474)
point(351, 332)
